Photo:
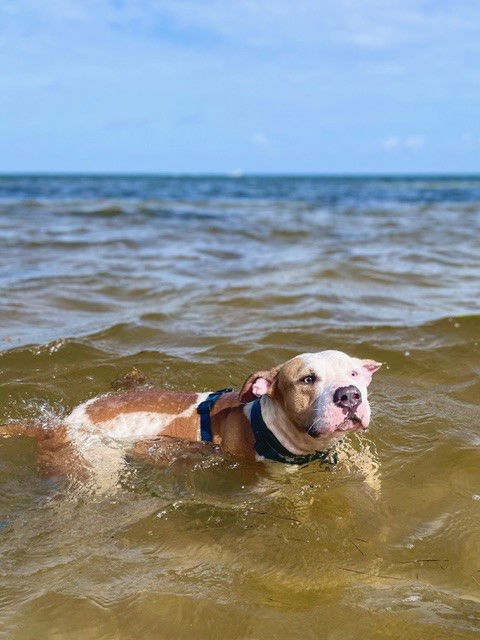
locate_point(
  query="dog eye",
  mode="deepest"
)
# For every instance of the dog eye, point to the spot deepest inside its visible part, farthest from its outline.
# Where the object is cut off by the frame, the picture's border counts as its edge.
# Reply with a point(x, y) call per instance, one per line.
point(354, 373)
point(308, 379)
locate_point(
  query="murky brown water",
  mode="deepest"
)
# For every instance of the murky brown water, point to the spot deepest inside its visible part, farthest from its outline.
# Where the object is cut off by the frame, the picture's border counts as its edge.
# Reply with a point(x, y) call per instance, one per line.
point(198, 282)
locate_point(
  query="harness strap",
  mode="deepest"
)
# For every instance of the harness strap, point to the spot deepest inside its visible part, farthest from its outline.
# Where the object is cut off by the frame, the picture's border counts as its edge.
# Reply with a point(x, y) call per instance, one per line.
point(204, 409)
point(268, 446)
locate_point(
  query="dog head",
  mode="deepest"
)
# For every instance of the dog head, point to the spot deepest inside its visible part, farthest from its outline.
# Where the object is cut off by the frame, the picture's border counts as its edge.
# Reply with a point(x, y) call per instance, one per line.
point(322, 394)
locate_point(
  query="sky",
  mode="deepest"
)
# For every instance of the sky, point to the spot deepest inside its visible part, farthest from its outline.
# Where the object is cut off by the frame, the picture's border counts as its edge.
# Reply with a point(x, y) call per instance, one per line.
point(254, 86)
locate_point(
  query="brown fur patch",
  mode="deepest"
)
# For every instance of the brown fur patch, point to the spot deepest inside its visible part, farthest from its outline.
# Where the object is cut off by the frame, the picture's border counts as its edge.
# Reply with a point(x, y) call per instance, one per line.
point(233, 433)
point(230, 428)
point(110, 407)
point(295, 399)
point(186, 427)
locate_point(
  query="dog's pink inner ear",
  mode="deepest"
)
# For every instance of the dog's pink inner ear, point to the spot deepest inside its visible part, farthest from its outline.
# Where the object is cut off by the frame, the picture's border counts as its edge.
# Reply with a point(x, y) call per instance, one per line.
point(260, 387)
point(369, 368)
point(257, 385)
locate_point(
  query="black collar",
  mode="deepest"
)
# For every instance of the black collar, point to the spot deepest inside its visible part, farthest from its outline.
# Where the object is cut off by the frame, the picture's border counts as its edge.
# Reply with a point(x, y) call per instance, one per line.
point(268, 446)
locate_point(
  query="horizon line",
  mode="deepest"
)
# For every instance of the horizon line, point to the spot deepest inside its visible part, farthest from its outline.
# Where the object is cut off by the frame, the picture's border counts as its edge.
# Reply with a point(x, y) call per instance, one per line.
point(239, 174)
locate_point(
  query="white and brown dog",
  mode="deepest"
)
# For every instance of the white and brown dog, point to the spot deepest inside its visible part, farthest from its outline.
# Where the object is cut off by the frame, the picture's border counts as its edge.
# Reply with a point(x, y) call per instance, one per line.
point(293, 412)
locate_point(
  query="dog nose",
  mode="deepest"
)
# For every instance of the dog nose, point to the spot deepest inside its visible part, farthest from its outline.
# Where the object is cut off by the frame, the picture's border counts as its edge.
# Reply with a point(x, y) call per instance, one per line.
point(347, 397)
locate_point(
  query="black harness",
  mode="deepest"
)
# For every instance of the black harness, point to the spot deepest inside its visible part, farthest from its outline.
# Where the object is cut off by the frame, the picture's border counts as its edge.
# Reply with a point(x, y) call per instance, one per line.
point(266, 444)
point(204, 409)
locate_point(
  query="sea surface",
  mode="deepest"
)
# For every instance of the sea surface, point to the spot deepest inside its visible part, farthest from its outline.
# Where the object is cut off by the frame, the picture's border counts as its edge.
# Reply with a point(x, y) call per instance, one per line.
point(199, 281)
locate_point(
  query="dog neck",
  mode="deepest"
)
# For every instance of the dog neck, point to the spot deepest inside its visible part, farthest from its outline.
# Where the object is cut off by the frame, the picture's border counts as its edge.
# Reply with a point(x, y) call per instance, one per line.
point(286, 433)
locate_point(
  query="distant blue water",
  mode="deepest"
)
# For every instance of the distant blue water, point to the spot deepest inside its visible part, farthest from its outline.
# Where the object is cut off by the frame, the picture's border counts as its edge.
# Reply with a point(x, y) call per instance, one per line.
point(316, 189)
point(82, 253)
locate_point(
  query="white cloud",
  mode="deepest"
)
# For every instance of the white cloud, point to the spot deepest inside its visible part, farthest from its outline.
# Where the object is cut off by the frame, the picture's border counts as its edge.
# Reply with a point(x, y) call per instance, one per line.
point(415, 142)
point(411, 142)
point(392, 142)
point(260, 140)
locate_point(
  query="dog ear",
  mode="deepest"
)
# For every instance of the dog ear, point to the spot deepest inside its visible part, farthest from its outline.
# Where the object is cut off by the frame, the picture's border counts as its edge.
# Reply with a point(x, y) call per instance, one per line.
point(258, 384)
point(369, 368)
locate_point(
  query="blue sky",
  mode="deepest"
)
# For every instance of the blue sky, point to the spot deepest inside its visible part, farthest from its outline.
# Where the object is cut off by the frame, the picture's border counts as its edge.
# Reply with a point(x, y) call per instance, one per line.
point(264, 86)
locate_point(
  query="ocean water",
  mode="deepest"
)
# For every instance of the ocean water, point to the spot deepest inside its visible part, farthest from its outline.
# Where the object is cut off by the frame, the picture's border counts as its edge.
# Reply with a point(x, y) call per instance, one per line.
point(198, 281)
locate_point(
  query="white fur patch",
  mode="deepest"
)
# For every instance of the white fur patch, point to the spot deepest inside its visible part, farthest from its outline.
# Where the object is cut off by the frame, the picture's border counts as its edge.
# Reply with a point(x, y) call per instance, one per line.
point(103, 445)
point(127, 427)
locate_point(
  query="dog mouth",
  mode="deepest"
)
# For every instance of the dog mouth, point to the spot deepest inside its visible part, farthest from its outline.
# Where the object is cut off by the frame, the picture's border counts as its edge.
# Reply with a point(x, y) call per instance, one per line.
point(351, 423)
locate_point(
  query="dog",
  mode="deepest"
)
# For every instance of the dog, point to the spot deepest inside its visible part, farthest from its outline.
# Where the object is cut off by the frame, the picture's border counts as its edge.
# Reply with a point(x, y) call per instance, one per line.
point(292, 413)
